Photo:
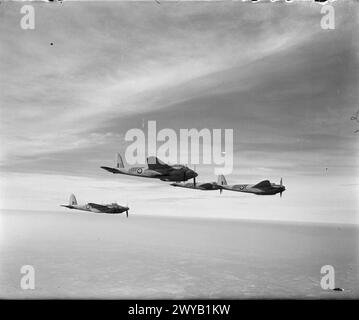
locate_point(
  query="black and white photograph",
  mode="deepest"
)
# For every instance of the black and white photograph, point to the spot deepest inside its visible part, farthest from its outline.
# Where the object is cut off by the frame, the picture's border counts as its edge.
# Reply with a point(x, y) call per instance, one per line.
point(179, 150)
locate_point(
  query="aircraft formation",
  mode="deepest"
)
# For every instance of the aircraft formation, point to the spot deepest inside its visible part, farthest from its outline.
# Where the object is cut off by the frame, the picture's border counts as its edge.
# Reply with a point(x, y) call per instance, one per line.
point(178, 174)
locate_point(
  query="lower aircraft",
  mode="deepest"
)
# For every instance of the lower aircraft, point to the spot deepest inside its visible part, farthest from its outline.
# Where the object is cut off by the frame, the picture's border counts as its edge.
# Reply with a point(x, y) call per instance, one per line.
point(264, 187)
point(156, 169)
point(112, 208)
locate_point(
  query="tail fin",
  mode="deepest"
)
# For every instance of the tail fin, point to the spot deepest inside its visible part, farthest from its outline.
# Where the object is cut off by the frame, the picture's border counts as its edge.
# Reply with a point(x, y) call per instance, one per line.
point(119, 162)
point(222, 180)
point(72, 201)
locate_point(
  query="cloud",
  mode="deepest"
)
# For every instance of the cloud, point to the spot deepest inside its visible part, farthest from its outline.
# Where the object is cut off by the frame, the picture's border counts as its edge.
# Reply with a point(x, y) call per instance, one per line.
point(107, 62)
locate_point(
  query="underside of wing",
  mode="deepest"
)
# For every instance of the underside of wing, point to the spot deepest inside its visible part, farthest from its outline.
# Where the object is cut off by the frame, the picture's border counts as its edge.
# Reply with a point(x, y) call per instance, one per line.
point(263, 184)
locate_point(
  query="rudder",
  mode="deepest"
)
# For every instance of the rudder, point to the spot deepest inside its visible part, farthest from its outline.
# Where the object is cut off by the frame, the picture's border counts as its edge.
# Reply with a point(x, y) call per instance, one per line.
point(72, 201)
point(119, 162)
point(222, 180)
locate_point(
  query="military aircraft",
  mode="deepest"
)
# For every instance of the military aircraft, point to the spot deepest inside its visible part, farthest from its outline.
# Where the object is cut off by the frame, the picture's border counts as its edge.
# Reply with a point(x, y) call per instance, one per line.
point(262, 188)
point(112, 208)
point(206, 186)
point(156, 169)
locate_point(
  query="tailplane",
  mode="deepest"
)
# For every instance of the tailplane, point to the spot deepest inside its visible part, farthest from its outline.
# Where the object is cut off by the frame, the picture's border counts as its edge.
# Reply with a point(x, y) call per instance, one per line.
point(72, 201)
point(222, 180)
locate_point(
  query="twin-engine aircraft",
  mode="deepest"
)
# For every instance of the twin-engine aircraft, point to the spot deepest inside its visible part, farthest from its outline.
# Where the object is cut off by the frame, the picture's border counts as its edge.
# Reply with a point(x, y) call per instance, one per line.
point(156, 169)
point(264, 187)
point(112, 208)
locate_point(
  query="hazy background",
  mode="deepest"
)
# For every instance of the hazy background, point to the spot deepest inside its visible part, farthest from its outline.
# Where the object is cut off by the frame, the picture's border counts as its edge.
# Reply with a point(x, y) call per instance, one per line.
point(287, 87)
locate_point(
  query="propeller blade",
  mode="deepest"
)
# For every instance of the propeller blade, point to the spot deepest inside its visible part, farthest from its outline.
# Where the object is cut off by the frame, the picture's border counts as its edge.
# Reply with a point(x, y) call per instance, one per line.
point(194, 179)
point(220, 191)
point(281, 194)
point(126, 213)
point(281, 181)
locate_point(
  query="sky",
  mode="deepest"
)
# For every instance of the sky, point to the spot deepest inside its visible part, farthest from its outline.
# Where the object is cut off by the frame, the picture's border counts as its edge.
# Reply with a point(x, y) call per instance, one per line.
point(285, 86)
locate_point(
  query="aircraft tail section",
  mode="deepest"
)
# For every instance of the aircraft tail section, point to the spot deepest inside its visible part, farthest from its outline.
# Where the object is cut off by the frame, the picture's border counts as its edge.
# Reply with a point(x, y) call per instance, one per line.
point(222, 180)
point(72, 201)
point(119, 162)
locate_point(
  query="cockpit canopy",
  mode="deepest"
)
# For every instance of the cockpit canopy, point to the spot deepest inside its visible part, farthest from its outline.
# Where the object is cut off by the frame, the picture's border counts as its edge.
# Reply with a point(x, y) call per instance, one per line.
point(113, 204)
point(179, 166)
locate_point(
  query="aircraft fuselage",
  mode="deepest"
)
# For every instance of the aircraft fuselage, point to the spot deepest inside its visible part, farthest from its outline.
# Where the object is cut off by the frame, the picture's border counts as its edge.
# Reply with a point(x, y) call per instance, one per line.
point(247, 188)
point(180, 174)
point(94, 207)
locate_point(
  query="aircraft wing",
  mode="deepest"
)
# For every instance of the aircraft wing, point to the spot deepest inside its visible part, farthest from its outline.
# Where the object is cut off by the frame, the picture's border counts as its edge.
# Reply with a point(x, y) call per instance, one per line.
point(156, 164)
point(263, 184)
point(112, 170)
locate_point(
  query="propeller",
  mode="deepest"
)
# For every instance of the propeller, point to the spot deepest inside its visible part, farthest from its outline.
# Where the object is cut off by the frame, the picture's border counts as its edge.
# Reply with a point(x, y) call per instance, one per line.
point(220, 183)
point(281, 184)
point(194, 178)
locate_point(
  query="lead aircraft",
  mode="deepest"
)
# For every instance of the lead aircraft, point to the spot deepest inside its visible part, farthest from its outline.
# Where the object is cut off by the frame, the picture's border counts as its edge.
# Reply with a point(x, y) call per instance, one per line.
point(156, 169)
